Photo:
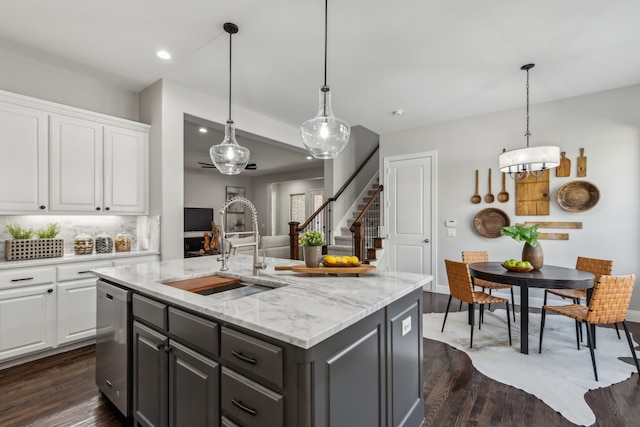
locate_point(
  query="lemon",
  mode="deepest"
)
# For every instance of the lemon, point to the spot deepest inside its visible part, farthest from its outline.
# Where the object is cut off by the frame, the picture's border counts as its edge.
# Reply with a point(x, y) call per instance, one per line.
point(346, 259)
point(355, 260)
point(329, 259)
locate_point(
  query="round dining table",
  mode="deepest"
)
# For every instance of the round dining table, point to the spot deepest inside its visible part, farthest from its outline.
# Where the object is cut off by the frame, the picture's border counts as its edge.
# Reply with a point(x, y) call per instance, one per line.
point(549, 276)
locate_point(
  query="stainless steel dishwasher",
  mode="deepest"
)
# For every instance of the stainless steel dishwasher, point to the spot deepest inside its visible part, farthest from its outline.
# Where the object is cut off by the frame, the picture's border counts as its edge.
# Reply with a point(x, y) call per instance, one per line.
point(113, 344)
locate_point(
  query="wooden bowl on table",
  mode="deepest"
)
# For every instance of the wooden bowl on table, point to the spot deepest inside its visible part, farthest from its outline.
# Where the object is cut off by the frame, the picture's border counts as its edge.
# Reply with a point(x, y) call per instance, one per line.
point(518, 269)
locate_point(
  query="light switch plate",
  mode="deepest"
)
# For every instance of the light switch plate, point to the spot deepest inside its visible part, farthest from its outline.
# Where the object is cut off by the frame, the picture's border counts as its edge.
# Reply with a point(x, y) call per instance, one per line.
point(406, 326)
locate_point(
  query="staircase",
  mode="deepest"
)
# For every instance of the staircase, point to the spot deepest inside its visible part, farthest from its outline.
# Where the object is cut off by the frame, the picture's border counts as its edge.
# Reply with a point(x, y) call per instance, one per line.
point(343, 243)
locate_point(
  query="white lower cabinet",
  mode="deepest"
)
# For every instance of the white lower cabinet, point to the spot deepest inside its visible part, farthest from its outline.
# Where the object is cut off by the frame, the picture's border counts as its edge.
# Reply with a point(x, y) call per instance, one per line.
point(77, 299)
point(76, 310)
point(27, 320)
point(42, 308)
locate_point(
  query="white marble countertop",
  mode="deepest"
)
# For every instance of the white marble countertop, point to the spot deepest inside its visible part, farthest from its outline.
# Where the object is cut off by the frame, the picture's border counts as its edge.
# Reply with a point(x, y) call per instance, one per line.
point(301, 310)
point(5, 265)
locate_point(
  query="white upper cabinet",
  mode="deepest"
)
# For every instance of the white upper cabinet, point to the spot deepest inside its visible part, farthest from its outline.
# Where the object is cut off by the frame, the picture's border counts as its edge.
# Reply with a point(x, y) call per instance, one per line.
point(24, 170)
point(60, 159)
point(126, 165)
point(76, 165)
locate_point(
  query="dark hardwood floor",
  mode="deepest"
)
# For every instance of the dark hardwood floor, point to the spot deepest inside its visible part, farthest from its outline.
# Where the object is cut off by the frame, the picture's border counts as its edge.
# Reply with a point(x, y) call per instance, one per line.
point(61, 391)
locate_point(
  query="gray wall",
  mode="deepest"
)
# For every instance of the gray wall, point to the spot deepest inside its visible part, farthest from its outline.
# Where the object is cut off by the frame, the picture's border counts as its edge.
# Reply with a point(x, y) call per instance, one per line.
point(605, 124)
point(40, 80)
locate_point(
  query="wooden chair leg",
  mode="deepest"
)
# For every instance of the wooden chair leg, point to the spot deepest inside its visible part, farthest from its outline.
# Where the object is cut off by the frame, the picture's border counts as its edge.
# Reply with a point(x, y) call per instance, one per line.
point(544, 315)
point(446, 313)
point(591, 344)
point(633, 352)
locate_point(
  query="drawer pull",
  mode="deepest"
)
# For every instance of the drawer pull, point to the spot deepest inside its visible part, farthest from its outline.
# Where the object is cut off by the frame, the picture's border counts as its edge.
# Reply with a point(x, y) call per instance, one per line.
point(84, 271)
point(246, 409)
point(109, 384)
point(244, 358)
point(20, 280)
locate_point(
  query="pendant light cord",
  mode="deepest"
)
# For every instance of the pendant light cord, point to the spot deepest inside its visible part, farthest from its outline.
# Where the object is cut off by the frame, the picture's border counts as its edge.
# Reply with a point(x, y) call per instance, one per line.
point(230, 36)
point(326, 14)
point(528, 134)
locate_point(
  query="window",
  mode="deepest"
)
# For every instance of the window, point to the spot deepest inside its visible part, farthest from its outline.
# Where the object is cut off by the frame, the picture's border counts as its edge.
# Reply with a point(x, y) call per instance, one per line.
point(296, 208)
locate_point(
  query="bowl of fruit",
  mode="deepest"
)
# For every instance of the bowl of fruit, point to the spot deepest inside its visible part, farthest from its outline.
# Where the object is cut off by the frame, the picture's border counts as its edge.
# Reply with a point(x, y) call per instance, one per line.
point(340, 261)
point(517, 266)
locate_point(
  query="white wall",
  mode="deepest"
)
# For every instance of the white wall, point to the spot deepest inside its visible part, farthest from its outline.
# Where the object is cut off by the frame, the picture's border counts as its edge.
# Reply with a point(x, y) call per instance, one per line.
point(40, 80)
point(606, 125)
point(165, 111)
point(283, 192)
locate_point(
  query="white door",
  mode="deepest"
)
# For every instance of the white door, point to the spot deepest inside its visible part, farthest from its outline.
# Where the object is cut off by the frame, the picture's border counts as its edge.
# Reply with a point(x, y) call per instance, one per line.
point(409, 210)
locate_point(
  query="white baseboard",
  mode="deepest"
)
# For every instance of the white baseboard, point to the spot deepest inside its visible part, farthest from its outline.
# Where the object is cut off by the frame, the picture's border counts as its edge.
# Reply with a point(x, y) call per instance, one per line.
point(42, 354)
point(632, 315)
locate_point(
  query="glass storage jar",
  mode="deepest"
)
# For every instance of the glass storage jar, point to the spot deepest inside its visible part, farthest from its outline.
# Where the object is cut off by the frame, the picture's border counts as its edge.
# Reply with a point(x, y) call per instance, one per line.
point(104, 243)
point(83, 244)
point(123, 242)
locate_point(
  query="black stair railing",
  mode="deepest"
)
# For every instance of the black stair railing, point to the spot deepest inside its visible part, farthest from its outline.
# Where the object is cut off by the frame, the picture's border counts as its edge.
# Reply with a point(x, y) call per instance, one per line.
point(321, 220)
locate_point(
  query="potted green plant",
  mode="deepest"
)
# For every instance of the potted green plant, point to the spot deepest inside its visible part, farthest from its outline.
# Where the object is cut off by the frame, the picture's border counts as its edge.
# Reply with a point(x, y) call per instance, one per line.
point(312, 242)
point(532, 251)
point(24, 246)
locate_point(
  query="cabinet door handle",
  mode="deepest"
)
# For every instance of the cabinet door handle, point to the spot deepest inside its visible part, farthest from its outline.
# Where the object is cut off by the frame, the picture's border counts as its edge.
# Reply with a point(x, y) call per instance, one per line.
point(107, 208)
point(244, 358)
point(246, 409)
point(49, 290)
point(21, 280)
point(43, 207)
point(84, 271)
point(98, 208)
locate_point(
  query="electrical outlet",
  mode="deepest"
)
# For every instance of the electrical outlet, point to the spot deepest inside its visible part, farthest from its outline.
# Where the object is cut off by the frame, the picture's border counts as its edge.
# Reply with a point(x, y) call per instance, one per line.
point(406, 326)
point(451, 232)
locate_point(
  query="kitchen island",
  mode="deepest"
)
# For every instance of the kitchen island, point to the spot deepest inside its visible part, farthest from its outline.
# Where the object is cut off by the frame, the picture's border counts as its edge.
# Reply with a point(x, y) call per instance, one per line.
point(300, 351)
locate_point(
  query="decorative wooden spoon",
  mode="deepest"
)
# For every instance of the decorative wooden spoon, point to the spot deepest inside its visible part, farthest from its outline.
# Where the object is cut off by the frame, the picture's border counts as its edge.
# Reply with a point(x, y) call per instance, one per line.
point(503, 196)
point(489, 197)
point(476, 197)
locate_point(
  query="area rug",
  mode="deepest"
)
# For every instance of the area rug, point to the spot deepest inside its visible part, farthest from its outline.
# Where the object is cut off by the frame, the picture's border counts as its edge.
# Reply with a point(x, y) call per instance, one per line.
point(560, 376)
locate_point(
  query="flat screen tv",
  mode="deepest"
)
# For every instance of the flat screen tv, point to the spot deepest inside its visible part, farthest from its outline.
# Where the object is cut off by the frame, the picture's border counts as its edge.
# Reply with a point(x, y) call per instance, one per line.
point(198, 219)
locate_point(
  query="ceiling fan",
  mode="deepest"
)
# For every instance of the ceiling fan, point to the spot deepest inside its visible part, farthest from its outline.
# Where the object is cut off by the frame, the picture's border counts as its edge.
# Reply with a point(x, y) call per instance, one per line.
point(250, 166)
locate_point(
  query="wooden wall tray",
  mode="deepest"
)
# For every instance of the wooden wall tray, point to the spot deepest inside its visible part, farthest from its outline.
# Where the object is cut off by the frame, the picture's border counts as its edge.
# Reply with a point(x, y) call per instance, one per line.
point(518, 269)
point(578, 196)
point(488, 222)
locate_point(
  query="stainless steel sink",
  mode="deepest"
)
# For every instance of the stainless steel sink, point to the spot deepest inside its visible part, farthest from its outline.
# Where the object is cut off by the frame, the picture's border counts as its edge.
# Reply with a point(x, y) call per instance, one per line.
point(236, 291)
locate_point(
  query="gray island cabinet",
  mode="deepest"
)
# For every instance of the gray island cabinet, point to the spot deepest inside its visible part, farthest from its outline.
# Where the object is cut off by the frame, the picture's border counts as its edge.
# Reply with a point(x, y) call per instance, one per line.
point(294, 351)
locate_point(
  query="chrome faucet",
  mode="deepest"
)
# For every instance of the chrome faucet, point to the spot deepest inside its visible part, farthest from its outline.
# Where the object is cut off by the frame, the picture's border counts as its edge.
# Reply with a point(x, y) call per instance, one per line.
point(257, 265)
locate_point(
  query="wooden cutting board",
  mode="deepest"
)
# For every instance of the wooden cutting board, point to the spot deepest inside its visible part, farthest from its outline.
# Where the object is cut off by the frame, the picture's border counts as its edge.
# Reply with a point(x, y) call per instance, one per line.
point(202, 283)
point(532, 195)
point(582, 164)
point(358, 270)
point(564, 168)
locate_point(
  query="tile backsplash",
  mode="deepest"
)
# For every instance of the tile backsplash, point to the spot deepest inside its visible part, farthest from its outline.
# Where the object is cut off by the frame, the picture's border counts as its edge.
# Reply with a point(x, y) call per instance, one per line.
point(144, 230)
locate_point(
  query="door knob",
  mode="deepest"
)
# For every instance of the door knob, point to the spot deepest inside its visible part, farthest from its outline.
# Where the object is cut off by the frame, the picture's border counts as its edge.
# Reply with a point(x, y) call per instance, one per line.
point(426, 240)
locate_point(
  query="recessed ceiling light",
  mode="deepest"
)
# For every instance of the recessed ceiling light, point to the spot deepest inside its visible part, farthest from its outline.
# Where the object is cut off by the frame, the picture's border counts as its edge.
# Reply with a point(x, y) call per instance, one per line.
point(203, 130)
point(397, 112)
point(163, 54)
point(309, 157)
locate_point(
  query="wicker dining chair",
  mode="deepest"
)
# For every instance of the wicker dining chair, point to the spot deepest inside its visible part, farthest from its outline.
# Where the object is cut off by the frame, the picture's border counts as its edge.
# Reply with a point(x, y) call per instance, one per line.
point(597, 267)
point(469, 257)
point(608, 305)
point(461, 287)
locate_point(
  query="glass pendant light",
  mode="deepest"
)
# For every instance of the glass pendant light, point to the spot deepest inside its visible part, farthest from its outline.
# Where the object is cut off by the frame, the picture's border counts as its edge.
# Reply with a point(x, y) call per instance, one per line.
point(325, 135)
point(229, 157)
point(532, 161)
